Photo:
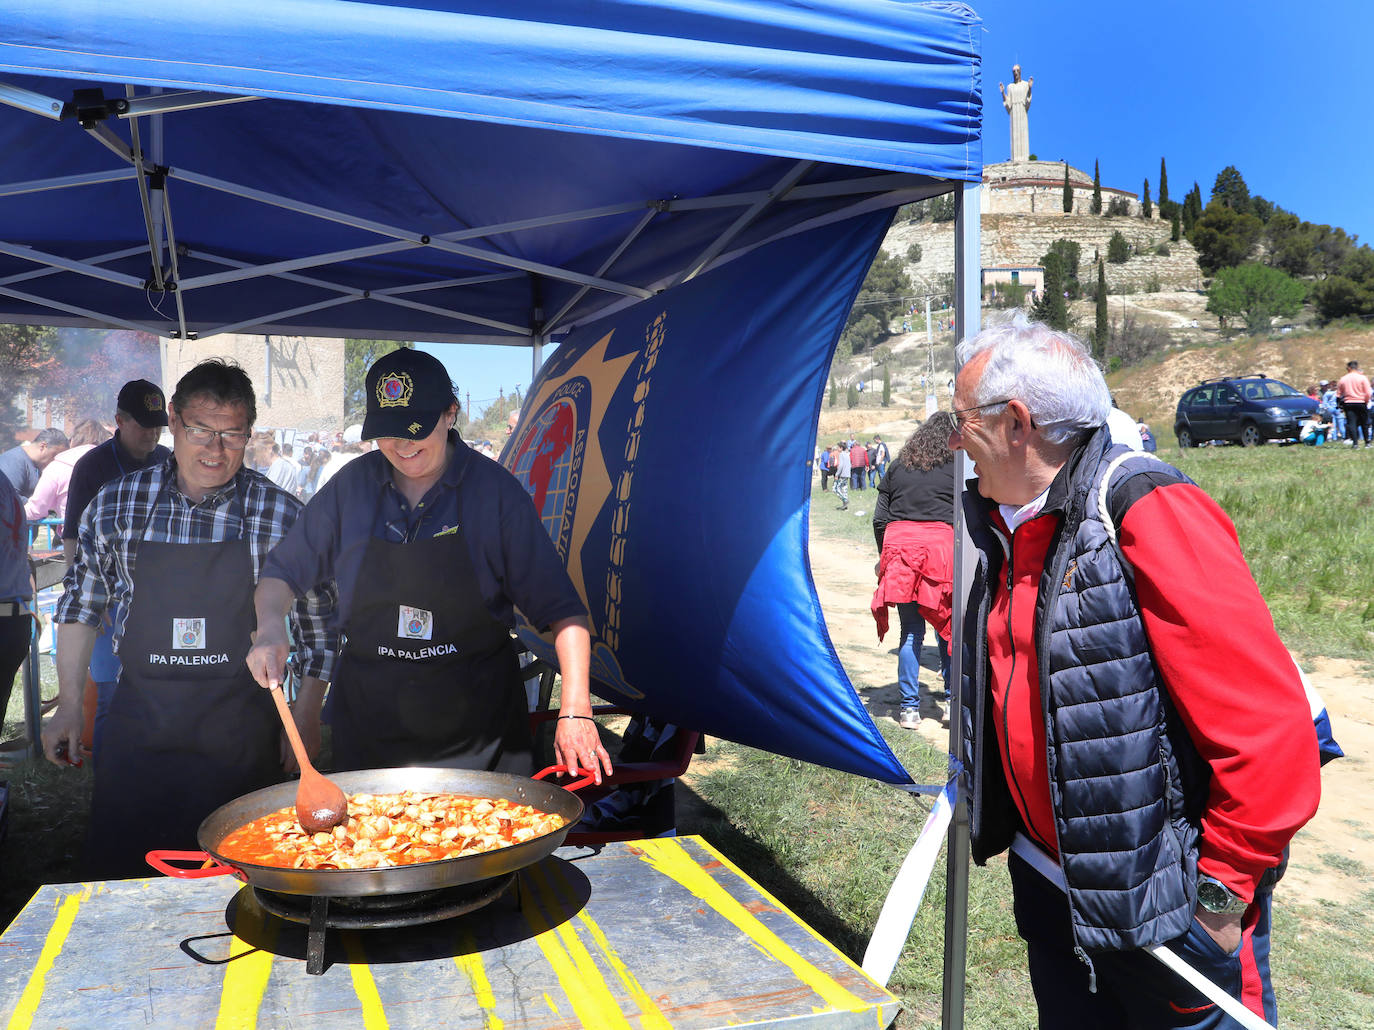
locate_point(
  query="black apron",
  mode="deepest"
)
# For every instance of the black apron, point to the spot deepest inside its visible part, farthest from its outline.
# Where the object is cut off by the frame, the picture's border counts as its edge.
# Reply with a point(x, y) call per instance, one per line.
point(428, 676)
point(189, 729)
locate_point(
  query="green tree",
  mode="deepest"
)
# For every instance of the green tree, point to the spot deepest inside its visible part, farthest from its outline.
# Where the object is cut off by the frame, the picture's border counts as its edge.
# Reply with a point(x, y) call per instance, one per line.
point(1337, 296)
point(1256, 292)
point(1192, 208)
point(887, 386)
point(1050, 307)
point(913, 254)
point(1175, 229)
point(852, 396)
point(1100, 327)
point(1068, 252)
point(1230, 190)
point(1097, 190)
point(1163, 186)
point(24, 350)
point(834, 392)
point(881, 298)
point(1146, 208)
point(1224, 237)
point(1118, 250)
point(1068, 192)
point(358, 358)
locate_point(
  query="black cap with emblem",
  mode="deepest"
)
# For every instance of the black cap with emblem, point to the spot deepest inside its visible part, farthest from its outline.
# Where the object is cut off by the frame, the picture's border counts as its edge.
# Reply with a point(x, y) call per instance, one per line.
point(144, 402)
point(407, 391)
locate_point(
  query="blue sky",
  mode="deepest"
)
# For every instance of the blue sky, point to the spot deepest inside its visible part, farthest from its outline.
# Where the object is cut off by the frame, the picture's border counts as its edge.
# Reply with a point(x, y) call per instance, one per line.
point(1280, 90)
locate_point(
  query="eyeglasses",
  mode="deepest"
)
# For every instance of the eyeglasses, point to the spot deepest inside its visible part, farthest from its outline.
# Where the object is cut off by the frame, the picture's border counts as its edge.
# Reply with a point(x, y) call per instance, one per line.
point(232, 439)
point(958, 413)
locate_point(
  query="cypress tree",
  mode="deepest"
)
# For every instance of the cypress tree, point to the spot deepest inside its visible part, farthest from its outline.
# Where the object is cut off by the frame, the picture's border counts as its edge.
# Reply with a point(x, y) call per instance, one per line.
point(852, 396)
point(1050, 307)
point(1100, 328)
point(1145, 205)
point(1097, 189)
point(834, 392)
point(887, 386)
point(1068, 191)
point(1174, 227)
point(1163, 187)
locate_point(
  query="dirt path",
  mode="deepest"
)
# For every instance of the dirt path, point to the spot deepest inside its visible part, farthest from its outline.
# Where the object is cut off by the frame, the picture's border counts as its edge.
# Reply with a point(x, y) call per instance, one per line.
point(1332, 857)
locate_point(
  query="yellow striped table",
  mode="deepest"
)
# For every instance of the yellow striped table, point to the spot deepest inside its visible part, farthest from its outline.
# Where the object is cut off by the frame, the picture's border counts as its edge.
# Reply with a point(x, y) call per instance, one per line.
point(647, 934)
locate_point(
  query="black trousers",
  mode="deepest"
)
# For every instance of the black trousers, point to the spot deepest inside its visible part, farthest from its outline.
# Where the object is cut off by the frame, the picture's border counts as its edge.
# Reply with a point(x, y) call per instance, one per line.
point(1356, 422)
point(15, 633)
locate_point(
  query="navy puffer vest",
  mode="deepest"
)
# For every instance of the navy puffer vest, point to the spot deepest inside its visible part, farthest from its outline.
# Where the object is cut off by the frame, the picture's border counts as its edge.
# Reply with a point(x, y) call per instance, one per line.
point(1126, 783)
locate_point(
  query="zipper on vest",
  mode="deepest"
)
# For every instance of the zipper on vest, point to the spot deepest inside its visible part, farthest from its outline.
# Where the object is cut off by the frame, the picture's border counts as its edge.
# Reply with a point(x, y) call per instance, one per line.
point(1092, 973)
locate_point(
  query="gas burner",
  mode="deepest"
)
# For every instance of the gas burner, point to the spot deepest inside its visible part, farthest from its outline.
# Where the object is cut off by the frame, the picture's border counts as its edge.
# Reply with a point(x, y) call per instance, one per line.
point(376, 911)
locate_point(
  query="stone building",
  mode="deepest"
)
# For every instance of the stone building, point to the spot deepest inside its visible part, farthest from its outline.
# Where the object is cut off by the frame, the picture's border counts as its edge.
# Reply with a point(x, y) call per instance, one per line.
point(1037, 188)
point(299, 379)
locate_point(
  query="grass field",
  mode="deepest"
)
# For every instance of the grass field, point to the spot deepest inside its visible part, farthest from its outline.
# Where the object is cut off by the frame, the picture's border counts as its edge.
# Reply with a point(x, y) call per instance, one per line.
point(828, 844)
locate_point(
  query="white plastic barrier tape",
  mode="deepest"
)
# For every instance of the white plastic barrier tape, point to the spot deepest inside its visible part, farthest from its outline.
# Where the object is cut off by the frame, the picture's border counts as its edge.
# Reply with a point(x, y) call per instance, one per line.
point(904, 898)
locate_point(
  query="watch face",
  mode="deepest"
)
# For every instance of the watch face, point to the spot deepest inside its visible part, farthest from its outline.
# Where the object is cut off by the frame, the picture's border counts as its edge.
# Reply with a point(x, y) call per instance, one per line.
point(1212, 896)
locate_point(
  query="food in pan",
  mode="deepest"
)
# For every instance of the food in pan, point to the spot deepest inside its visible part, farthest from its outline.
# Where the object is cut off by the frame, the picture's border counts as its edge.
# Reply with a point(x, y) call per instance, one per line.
point(390, 830)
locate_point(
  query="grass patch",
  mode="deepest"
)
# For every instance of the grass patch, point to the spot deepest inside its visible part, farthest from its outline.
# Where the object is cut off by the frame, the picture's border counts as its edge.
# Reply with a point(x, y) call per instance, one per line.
point(1345, 864)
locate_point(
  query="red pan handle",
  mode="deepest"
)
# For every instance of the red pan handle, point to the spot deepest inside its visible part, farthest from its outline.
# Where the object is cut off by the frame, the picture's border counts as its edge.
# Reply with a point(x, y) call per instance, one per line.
point(563, 770)
point(159, 859)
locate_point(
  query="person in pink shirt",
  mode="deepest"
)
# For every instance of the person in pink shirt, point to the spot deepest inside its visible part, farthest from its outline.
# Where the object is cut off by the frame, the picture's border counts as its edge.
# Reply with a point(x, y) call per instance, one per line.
point(1353, 391)
point(50, 495)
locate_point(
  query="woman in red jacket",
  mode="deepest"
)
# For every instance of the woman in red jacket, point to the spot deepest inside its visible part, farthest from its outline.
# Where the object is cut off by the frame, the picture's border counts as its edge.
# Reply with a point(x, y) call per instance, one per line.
point(914, 527)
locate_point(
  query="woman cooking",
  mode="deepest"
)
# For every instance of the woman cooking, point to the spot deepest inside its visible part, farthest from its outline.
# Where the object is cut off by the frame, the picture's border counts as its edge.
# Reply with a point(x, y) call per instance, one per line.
point(913, 524)
point(431, 548)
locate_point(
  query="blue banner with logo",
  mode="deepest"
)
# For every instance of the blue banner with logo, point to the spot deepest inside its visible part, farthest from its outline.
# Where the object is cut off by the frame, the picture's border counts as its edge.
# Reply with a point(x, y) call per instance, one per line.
point(668, 449)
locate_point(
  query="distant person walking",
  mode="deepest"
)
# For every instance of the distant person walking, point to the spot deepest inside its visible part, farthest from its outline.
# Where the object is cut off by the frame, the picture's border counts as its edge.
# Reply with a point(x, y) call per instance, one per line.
point(842, 470)
point(1354, 393)
point(858, 465)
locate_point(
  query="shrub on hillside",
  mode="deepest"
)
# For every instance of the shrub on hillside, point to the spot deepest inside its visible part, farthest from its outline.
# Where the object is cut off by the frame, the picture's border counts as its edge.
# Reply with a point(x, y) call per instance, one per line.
point(1118, 250)
point(1162, 250)
point(1132, 341)
point(1118, 206)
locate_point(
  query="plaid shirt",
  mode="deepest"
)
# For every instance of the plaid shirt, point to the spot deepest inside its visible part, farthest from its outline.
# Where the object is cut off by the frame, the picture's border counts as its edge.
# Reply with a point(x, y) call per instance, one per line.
point(146, 505)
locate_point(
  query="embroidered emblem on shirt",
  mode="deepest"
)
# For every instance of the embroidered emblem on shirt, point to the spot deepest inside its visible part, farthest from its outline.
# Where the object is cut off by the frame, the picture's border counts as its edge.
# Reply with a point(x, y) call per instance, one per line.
point(188, 634)
point(394, 390)
point(414, 428)
point(447, 531)
point(415, 623)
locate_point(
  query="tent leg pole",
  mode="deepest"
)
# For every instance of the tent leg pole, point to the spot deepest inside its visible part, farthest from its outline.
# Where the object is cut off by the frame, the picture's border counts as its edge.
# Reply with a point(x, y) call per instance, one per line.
point(967, 321)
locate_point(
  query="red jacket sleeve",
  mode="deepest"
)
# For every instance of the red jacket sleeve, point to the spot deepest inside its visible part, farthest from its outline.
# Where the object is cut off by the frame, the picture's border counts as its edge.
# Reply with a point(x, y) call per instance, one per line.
point(1230, 676)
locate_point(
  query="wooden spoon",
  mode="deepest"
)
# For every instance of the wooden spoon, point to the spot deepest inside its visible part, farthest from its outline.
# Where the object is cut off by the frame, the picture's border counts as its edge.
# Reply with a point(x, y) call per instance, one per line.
point(320, 804)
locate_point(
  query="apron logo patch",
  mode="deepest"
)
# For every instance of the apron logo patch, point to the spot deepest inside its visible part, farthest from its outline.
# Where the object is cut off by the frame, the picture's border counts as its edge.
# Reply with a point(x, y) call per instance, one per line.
point(188, 634)
point(415, 624)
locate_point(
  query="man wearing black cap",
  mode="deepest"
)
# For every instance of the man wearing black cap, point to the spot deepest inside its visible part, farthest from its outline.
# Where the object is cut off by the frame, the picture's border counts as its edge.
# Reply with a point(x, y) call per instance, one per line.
point(140, 415)
point(432, 549)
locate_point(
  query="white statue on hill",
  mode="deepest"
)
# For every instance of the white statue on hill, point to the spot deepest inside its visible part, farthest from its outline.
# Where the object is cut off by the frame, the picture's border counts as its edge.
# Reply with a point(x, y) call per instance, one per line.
point(1016, 98)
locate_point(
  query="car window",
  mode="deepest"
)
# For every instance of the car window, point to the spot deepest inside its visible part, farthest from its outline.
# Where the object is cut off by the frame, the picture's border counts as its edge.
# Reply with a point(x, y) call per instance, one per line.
point(1253, 391)
point(1278, 389)
point(1227, 395)
point(1200, 398)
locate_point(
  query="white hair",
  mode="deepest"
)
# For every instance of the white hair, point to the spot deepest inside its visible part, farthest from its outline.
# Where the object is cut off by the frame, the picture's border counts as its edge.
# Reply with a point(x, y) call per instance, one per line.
point(1050, 371)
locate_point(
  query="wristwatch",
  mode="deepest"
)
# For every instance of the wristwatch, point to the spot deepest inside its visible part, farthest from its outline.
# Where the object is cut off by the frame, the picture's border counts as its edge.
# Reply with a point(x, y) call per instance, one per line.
point(1215, 896)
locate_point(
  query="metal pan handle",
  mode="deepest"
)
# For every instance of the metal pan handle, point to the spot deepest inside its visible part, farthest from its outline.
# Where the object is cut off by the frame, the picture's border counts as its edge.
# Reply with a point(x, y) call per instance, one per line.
point(159, 859)
point(563, 770)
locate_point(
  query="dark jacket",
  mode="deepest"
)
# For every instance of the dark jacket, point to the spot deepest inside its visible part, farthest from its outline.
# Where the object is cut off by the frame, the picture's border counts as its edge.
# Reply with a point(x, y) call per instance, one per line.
point(1126, 782)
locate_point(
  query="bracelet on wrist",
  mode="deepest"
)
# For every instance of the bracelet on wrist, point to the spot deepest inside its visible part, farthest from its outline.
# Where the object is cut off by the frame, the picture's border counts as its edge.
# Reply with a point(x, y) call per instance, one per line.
point(587, 717)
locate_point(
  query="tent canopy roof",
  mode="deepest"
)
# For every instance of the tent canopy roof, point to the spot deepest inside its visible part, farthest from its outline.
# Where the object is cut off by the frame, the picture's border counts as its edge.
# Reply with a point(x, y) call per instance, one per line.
point(420, 171)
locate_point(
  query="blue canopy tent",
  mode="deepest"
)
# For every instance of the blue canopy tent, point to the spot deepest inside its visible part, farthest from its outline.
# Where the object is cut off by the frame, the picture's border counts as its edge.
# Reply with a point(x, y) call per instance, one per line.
point(685, 195)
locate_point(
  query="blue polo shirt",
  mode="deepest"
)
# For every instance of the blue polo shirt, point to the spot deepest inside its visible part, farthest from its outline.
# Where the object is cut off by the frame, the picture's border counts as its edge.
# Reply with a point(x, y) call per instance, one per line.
point(512, 556)
point(93, 470)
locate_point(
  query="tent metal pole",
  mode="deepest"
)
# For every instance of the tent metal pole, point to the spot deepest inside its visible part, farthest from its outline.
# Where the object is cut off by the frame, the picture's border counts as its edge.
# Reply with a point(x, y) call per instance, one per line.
point(154, 251)
point(606, 265)
point(174, 262)
point(447, 284)
point(40, 273)
point(967, 321)
point(186, 100)
point(745, 218)
point(40, 257)
point(28, 100)
point(479, 231)
point(14, 189)
point(550, 271)
point(98, 317)
point(249, 271)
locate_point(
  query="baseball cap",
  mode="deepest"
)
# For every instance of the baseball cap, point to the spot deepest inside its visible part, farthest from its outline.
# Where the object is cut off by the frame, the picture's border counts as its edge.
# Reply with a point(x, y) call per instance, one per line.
point(144, 401)
point(407, 391)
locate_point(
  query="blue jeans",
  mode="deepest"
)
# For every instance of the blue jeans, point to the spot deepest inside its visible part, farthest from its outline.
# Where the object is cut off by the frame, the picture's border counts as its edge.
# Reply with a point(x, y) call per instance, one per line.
point(913, 633)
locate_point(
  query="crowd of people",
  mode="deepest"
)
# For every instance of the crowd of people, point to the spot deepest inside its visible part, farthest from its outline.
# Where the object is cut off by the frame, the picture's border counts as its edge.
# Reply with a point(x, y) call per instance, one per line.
point(1143, 799)
point(1345, 410)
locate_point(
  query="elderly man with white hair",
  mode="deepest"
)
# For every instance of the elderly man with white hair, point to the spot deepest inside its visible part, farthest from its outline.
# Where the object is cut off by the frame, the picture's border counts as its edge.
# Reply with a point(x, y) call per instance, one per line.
point(1135, 731)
